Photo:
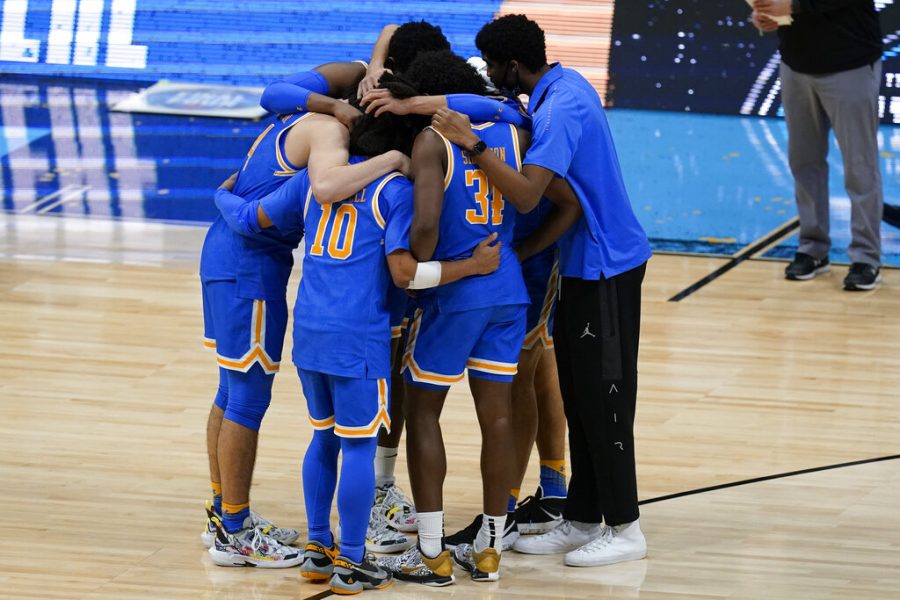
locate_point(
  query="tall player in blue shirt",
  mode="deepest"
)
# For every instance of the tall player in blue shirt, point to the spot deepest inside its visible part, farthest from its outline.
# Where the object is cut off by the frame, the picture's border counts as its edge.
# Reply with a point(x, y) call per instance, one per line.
point(245, 314)
point(602, 262)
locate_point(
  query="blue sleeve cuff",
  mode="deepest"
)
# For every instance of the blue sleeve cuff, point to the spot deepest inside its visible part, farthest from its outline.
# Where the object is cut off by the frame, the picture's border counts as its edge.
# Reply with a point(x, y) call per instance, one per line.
point(239, 215)
point(291, 94)
point(311, 80)
point(479, 108)
point(282, 97)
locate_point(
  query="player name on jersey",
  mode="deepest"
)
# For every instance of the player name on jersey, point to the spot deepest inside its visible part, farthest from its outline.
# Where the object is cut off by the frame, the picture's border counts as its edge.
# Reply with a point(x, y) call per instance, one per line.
point(501, 152)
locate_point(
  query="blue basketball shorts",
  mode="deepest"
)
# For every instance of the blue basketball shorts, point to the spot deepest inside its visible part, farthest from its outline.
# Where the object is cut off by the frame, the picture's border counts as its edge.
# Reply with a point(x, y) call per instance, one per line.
point(486, 341)
point(353, 407)
point(541, 273)
point(243, 331)
point(399, 304)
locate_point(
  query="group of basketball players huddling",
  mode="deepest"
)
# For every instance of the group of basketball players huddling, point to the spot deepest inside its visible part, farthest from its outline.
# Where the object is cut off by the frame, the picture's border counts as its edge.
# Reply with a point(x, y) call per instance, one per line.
point(430, 214)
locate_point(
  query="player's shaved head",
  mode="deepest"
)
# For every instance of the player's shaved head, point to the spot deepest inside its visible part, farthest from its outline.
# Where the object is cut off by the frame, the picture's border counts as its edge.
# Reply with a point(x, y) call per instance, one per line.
point(412, 38)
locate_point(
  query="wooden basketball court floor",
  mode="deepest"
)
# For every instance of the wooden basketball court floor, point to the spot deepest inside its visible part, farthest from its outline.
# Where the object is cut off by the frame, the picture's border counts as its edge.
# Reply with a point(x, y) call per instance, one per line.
point(104, 391)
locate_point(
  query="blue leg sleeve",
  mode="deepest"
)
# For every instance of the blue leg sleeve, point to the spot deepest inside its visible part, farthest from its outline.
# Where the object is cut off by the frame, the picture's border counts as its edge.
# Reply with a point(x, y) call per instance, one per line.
point(356, 493)
point(319, 480)
point(249, 395)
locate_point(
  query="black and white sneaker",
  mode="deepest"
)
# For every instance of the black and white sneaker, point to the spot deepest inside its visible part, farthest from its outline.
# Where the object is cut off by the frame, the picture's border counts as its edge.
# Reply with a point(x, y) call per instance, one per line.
point(539, 513)
point(467, 535)
point(318, 562)
point(414, 566)
point(482, 566)
point(351, 577)
point(805, 267)
point(862, 277)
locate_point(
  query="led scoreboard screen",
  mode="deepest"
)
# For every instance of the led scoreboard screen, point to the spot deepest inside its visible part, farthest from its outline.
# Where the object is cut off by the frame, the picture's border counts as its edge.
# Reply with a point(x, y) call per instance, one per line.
point(706, 56)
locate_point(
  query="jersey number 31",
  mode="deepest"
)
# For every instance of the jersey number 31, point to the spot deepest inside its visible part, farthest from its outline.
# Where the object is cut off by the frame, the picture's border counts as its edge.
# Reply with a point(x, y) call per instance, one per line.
point(484, 201)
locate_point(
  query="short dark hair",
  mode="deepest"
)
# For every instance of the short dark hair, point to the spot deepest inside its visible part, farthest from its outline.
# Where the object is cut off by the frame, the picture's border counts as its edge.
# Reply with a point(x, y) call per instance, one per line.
point(431, 73)
point(513, 37)
point(442, 72)
point(412, 38)
point(373, 135)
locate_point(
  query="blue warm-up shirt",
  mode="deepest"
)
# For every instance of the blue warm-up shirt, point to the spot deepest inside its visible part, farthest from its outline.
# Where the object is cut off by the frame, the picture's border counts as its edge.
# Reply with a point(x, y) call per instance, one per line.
point(571, 137)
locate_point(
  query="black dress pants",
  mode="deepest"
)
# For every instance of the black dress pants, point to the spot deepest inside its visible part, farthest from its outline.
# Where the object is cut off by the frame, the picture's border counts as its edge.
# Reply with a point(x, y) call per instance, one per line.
point(596, 339)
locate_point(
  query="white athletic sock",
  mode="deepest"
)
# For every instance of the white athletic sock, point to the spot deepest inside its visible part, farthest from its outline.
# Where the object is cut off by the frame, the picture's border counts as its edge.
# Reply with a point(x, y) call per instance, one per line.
point(431, 530)
point(491, 533)
point(385, 458)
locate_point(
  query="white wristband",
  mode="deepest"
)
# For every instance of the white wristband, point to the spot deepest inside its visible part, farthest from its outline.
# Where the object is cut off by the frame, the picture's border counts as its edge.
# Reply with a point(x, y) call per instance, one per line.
point(428, 275)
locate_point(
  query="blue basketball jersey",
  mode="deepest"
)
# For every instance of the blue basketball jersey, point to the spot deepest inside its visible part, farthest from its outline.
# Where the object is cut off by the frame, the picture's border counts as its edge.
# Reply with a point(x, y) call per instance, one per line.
point(472, 210)
point(342, 317)
point(527, 223)
point(261, 264)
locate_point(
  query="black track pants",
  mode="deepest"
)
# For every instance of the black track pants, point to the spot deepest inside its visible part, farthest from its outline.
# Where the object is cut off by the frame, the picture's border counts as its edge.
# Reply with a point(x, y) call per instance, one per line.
point(596, 340)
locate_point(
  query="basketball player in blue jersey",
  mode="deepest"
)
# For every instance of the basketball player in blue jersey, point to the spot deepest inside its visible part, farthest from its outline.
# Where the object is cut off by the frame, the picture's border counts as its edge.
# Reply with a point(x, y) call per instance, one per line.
point(245, 314)
point(602, 263)
point(476, 324)
point(342, 335)
point(537, 413)
point(399, 49)
point(394, 52)
point(537, 402)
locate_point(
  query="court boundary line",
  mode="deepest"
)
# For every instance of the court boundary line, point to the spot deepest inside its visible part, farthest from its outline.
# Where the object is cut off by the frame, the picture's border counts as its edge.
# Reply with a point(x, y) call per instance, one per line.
point(742, 255)
point(742, 482)
point(723, 486)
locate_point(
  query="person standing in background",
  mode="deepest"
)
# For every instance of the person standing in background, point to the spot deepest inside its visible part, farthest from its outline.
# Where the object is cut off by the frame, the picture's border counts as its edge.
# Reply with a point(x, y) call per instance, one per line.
point(830, 77)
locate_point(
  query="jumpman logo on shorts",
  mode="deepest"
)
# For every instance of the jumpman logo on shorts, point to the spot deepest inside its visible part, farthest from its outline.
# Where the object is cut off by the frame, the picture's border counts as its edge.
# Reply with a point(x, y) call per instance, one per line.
point(587, 331)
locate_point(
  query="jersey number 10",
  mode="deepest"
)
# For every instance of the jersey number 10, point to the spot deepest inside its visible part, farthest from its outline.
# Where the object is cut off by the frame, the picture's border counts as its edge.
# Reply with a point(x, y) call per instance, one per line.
point(484, 201)
point(339, 246)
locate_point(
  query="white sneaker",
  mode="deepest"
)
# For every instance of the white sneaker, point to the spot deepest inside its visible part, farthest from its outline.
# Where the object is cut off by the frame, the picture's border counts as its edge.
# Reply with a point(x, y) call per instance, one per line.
point(282, 534)
point(250, 547)
point(616, 544)
point(397, 507)
point(566, 536)
point(381, 535)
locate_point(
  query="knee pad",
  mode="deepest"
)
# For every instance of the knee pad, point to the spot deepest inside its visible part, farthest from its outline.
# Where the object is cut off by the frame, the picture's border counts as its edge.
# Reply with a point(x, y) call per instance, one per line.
point(249, 395)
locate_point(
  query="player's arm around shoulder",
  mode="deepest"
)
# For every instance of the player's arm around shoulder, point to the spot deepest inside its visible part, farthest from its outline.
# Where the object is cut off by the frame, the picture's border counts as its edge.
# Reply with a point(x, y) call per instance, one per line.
point(331, 177)
point(406, 271)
